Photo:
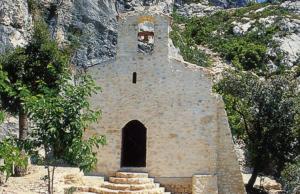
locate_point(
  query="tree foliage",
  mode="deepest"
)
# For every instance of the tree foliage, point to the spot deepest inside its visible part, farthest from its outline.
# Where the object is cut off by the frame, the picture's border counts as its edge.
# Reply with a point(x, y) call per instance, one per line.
point(61, 119)
point(28, 70)
point(2, 116)
point(290, 177)
point(12, 156)
point(264, 113)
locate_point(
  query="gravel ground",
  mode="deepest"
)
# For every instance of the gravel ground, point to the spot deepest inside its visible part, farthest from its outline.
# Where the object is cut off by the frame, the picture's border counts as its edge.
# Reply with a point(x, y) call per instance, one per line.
point(33, 183)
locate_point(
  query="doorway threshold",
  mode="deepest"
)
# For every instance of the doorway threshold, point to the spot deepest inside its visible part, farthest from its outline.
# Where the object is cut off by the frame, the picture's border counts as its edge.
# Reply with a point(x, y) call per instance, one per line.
point(133, 169)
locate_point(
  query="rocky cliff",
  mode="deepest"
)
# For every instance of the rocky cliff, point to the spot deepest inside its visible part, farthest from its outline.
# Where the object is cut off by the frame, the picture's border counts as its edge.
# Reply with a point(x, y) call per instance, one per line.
point(95, 20)
point(15, 23)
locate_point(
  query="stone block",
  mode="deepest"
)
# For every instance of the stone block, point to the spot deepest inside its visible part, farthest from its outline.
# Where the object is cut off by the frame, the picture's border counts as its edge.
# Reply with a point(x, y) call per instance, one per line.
point(205, 184)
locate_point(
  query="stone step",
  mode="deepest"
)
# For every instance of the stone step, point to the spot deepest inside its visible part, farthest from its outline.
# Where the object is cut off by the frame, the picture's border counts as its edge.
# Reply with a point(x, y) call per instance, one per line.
point(130, 180)
point(108, 191)
point(116, 186)
point(83, 193)
point(144, 186)
point(132, 187)
point(146, 191)
point(131, 175)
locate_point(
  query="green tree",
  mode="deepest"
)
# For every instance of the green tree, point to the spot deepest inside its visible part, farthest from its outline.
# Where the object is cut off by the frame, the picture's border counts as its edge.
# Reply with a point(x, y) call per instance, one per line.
point(60, 121)
point(61, 118)
point(263, 112)
point(39, 64)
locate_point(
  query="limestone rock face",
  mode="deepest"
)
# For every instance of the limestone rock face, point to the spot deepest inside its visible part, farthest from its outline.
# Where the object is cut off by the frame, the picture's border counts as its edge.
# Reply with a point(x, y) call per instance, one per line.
point(15, 23)
point(289, 44)
point(9, 127)
point(292, 5)
point(134, 5)
point(240, 28)
point(221, 3)
point(197, 9)
point(95, 21)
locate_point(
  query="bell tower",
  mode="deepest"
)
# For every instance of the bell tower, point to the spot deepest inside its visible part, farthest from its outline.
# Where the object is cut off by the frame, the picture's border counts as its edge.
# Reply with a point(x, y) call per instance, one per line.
point(143, 35)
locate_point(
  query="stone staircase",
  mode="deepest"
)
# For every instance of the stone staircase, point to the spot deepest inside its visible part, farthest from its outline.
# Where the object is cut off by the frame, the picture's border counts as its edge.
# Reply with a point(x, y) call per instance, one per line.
point(127, 183)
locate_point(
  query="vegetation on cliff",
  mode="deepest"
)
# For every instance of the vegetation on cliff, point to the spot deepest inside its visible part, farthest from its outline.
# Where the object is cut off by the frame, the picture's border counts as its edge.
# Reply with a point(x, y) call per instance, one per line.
point(246, 50)
point(262, 104)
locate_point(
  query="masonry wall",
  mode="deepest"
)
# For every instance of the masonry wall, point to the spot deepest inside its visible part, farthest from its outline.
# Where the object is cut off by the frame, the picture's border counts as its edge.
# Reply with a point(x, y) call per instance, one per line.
point(173, 99)
point(176, 185)
point(229, 175)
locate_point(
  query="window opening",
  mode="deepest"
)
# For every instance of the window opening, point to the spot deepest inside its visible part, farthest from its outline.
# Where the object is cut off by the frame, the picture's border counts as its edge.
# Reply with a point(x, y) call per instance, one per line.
point(134, 76)
point(146, 37)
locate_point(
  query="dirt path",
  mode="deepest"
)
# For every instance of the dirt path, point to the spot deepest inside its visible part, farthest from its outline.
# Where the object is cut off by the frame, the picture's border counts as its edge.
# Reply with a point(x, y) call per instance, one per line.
point(33, 183)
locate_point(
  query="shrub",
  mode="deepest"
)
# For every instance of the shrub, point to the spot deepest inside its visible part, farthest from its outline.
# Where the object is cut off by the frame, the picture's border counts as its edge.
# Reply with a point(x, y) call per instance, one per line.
point(246, 51)
point(12, 156)
point(188, 48)
point(290, 176)
point(244, 55)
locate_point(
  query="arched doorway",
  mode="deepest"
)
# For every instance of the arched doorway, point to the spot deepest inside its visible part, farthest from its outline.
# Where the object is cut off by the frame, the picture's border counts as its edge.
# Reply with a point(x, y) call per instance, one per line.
point(134, 140)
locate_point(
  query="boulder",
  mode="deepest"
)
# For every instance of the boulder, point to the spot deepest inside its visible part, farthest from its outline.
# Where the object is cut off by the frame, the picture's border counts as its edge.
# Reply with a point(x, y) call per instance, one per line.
point(197, 9)
point(290, 25)
point(293, 6)
point(290, 45)
point(296, 190)
point(241, 28)
point(74, 179)
point(271, 185)
point(276, 192)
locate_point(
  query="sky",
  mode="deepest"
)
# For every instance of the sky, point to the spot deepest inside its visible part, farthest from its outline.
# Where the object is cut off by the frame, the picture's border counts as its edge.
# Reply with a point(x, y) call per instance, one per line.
point(261, 1)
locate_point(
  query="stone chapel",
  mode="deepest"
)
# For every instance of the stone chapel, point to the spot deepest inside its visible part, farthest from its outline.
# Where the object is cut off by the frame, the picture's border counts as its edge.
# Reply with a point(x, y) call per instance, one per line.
point(160, 116)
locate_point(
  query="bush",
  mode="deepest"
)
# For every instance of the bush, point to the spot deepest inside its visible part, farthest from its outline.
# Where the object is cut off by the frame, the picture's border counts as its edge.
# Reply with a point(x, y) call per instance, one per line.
point(290, 177)
point(2, 115)
point(12, 156)
point(188, 49)
point(247, 51)
point(243, 54)
point(32, 5)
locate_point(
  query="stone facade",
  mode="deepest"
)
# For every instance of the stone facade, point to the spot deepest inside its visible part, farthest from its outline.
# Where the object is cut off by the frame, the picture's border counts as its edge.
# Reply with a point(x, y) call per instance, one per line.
point(187, 129)
point(205, 184)
point(176, 185)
